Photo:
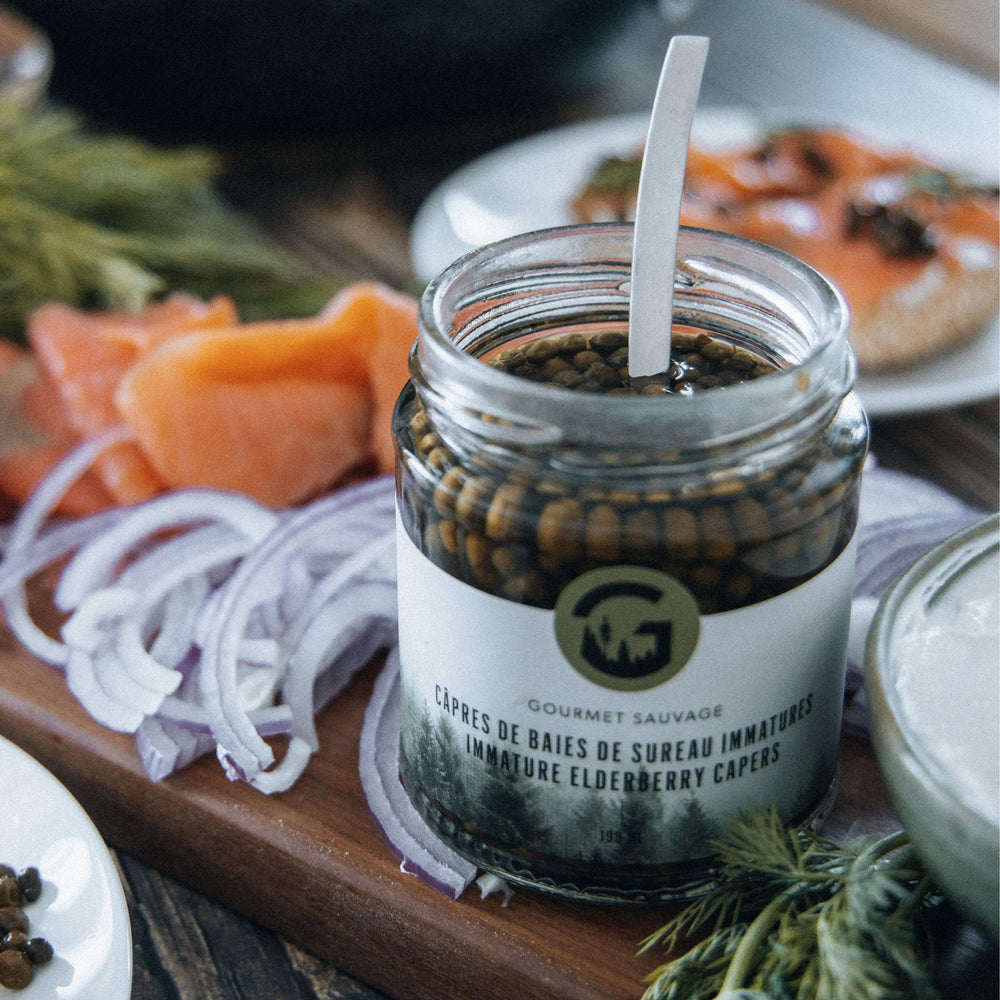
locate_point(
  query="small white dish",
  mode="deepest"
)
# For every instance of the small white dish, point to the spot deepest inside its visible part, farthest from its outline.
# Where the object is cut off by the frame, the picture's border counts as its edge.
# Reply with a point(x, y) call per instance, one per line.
point(82, 911)
point(933, 686)
point(528, 185)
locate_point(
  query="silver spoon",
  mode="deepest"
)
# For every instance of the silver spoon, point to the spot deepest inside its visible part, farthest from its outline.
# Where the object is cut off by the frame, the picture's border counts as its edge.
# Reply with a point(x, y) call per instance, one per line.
point(658, 208)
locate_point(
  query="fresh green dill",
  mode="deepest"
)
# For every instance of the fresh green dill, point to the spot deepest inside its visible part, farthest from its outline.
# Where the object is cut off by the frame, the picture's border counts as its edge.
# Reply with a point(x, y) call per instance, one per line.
point(797, 917)
point(103, 221)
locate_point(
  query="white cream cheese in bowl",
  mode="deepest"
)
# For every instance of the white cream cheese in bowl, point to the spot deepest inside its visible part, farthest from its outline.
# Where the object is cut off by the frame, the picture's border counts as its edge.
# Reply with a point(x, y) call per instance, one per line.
point(933, 676)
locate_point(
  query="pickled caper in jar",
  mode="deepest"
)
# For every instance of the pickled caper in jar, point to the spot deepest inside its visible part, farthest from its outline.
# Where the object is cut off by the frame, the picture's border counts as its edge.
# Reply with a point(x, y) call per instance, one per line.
point(732, 541)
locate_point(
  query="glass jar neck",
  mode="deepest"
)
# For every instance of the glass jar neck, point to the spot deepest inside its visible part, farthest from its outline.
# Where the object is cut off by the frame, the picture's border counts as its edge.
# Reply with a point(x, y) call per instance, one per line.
point(560, 280)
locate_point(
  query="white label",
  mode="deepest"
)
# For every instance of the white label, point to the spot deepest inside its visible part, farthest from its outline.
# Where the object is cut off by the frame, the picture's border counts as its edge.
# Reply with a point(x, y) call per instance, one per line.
point(510, 737)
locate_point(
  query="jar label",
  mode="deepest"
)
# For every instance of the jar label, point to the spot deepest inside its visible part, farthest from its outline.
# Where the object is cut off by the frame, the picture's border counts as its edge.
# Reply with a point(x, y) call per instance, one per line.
point(618, 728)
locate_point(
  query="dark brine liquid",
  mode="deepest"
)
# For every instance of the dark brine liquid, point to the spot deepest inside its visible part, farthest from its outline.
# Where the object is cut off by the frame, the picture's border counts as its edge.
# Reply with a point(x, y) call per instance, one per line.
point(733, 538)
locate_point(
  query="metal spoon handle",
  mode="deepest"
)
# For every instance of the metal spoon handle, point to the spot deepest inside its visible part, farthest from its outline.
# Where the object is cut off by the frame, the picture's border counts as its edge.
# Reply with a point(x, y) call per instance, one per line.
point(658, 208)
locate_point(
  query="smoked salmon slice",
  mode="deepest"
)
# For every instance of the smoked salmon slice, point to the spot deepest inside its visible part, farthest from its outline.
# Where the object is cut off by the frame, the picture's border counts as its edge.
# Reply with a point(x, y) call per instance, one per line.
point(395, 330)
point(34, 435)
point(279, 410)
point(84, 356)
point(22, 469)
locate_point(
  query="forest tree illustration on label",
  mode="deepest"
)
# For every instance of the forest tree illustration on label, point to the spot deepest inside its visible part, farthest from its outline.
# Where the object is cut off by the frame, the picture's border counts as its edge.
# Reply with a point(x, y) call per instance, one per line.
point(626, 628)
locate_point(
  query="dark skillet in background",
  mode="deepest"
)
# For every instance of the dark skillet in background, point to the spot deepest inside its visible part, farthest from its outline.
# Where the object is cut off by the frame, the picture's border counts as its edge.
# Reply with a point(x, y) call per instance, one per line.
point(250, 68)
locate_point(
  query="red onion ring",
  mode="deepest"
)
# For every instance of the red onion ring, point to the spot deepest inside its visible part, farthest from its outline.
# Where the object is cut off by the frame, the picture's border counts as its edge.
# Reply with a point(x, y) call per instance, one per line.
point(203, 591)
point(349, 518)
point(97, 562)
point(25, 529)
point(419, 851)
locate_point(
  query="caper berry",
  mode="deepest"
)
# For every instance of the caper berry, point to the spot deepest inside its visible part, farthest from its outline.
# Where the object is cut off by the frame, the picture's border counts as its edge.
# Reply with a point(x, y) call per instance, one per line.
point(734, 537)
point(19, 953)
point(504, 515)
point(38, 950)
point(30, 884)
point(13, 940)
point(10, 891)
point(15, 970)
point(602, 534)
point(12, 918)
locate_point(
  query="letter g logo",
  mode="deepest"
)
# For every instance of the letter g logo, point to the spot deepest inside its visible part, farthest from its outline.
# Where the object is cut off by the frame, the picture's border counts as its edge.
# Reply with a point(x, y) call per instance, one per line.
point(628, 628)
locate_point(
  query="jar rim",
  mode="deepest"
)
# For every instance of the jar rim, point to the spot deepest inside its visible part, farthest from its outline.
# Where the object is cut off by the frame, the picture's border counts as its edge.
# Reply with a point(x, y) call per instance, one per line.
point(528, 272)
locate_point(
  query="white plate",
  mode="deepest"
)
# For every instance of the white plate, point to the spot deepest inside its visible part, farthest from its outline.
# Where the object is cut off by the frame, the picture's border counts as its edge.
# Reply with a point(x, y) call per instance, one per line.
point(528, 185)
point(82, 911)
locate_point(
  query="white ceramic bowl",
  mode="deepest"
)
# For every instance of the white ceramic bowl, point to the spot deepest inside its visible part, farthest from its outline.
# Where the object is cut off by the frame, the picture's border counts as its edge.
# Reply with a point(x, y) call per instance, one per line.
point(933, 661)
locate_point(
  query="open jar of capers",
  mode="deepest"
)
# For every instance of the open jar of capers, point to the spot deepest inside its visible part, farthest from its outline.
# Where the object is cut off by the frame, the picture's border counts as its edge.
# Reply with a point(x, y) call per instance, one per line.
point(623, 601)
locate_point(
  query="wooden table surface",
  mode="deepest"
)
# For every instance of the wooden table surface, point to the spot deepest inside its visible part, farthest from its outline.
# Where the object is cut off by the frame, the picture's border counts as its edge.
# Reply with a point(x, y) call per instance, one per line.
point(347, 203)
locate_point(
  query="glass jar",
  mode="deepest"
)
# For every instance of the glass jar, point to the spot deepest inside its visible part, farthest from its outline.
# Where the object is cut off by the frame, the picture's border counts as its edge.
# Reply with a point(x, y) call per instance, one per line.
point(622, 618)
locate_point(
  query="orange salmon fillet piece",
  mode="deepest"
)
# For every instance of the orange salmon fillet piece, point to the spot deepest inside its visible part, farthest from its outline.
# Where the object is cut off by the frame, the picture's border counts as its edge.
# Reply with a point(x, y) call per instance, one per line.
point(34, 435)
point(279, 410)
point(395, 326)
point(22, 469)
point(85, 355)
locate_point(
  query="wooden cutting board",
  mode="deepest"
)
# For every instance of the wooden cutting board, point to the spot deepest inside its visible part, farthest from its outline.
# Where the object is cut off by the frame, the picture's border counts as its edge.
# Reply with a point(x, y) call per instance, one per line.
point(311, 865)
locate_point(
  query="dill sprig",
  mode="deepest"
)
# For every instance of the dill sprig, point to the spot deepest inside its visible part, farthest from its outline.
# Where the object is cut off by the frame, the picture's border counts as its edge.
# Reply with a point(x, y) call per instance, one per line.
point(104, 221)
point(797, 917)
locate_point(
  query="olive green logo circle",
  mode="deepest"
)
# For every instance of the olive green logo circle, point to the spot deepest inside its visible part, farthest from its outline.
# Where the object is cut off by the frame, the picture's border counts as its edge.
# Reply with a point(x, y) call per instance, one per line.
point(628, 628)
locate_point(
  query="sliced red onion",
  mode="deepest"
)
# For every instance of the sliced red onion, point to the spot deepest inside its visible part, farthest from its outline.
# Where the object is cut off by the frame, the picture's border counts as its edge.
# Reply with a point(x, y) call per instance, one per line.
point(270, 720)
point(889, 547)
point(178, 615)
point(332, 628)
point(50, 545)
point(22, 626)
point(102, 675)
point(380, 635)
point(855, 719)
point(115, 623)
point(37, 509)
point(281, 777)
point(84, 630)
point(25, 529)
point(81, 678)
point(165, 747)
point(889, 493)
point(99, 561)
point(171, 561)
point(201, 591)
point(142, 667)
point(343, 521)
point(409, 838)
point(157, 749)
point(124, 682)
point(262, 652)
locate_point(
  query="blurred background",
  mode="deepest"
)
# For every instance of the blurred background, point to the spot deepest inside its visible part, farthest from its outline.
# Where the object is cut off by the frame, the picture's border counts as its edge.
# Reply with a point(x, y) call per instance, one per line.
point(227, 69)
point(338, 122)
